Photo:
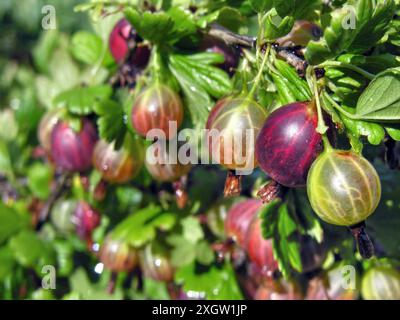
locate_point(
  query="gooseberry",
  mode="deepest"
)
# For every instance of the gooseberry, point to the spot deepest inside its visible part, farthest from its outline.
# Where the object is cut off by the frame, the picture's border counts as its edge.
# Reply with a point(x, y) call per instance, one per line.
point(329, 286)
point(71, 150)
point(156, 264)
point(301, 34)
point(381, 283)
point(277, 290)
point(343, 187)
point(46, 126)
point(239, 218)
point(237, 122)
point(61, 215)
point(117, 255)
point(259, 250)
point(288, 143)
point(124, 38)
point(154, 108)
point(117, 166)
point(233, 126)
point(161, 168)
point(118, 40)
point(231, 54)
point(86, 219)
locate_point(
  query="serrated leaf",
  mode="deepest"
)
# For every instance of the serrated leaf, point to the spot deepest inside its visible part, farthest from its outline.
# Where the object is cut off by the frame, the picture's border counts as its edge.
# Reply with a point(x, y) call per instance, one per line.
point(161, 27)
point(381, 99)
point(81, 100)
point(357, 128)
point(213, 80)
point(183, 252)
point(352, 30)
point(140, 227)
point(275, 26)
point(298, 86)
point(198, 80)
point(111, 122)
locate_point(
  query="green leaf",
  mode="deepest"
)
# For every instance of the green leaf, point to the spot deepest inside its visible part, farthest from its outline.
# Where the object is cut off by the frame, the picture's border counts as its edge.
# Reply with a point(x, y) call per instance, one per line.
point(140, 227)
point(295, 84)
point(44, 49)
point(111, 120)
point(261, 5)
point(275, 26)
point(227, 17)
point(384, 224)
point(204, 253)
point(213, 80)
point(27, 248)
point(184, 24)
point(198, 80)
point(81, 100)
point(7, 262)
point(393, 131)
point(39, 180)
point(8, 125)
point(357, 128)
point(285, 242)
point(183, 252)
point(10, 222)
point(86, 47)
point(350, 31)
point(268, 215)
point(374, 20)
point(81, 286)
point(381, 99)
point(162, 27)
point(215, 283)
point(192, 230)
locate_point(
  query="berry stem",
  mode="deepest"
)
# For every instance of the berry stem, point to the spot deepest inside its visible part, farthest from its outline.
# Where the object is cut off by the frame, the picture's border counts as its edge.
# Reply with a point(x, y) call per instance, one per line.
point(364, 244)
point(337, 106)
point(349, 66)
point(260, 72)
point(312, 81)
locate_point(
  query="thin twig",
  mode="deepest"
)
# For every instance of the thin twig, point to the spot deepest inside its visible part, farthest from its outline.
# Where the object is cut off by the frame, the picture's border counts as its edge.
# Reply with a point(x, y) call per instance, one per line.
point(230, 37)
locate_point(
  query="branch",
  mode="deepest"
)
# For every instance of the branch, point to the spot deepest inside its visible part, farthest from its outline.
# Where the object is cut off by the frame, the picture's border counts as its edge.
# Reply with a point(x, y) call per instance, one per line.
point(230, 37)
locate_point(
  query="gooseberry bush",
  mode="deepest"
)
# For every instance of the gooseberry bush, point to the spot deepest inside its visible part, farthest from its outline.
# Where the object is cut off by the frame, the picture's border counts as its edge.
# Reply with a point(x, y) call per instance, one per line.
point(99, 179)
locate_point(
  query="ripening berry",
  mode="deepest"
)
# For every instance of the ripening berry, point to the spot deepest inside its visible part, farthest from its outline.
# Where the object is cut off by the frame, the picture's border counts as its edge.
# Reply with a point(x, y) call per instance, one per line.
point(381, 283)
point(154, 108)
point(117, 166)
point(71, 150)
point(234, 125)
point(343, 187)
point(288, 143)
point(118, 256)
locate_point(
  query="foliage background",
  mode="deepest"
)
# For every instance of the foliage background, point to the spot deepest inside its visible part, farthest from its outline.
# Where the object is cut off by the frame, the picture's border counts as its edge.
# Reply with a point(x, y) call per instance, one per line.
point(37, 65)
